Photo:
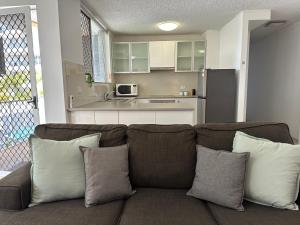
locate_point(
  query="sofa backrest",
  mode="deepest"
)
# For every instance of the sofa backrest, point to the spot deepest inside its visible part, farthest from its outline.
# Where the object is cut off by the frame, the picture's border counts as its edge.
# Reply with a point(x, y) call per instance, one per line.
point(162, 156)
point(220, 136)
point(112, 135)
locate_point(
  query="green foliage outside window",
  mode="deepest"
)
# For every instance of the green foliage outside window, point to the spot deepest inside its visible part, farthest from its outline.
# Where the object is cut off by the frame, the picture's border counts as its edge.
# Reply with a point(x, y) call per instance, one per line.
point(15, 87)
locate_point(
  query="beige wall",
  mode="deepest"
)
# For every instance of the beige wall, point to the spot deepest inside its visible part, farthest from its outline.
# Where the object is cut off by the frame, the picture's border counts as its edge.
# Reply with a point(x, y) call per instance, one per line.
point(159, 82)
point(82, 92)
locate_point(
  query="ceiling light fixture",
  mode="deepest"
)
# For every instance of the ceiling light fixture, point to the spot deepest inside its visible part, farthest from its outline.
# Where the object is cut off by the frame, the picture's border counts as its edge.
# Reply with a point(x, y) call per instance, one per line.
point(167, 26)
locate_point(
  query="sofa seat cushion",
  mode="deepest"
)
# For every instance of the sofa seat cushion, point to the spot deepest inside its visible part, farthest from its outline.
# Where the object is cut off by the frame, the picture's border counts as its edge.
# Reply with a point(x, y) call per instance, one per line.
point(70, 212)
point(254, 214)
point(165, 207)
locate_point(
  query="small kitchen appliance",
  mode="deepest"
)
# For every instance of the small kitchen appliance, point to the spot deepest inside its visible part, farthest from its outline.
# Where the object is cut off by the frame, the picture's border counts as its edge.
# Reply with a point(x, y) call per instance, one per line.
point(126, 90)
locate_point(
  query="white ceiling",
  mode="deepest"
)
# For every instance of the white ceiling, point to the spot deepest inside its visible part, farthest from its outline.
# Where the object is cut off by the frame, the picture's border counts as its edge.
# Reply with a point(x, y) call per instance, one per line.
point(195, 16)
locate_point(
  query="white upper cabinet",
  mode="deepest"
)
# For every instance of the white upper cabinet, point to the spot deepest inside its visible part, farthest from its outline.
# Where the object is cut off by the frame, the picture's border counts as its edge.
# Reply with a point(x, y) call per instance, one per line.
point(130, 57)
point(162, 54)
point(190, 56)
point(199, 55)
point(121, 57)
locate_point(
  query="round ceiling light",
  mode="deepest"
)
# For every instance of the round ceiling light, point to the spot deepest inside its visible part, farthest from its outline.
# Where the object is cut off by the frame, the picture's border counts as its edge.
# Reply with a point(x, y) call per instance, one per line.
point(167, 26)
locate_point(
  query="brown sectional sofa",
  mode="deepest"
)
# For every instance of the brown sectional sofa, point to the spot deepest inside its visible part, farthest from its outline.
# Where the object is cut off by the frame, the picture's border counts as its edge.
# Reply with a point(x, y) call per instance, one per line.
point(162, 162)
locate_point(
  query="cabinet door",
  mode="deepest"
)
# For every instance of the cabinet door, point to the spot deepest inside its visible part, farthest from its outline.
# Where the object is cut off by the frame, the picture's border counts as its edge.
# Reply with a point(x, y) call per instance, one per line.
point(136, 117)
point(187, 101)
point(175, 117)
point(121, 57)
point(162, 54)
point(184, 56)
point(140, 57)
point(106, 117)
point(83, 117)
point(199, 55)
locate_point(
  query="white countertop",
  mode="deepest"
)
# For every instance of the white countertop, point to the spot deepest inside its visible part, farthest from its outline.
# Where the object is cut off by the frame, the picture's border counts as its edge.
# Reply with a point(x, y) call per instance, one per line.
point(132, 106)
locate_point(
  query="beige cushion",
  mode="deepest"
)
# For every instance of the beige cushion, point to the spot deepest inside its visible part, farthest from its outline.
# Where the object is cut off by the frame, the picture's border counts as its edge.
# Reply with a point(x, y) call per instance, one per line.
point(273, 171)
point(106, 172)
point(220, 177)
point(57, 171)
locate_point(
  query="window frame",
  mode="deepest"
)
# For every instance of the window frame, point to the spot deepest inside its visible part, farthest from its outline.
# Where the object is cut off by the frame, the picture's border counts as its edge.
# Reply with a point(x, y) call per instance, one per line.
point(107, 48)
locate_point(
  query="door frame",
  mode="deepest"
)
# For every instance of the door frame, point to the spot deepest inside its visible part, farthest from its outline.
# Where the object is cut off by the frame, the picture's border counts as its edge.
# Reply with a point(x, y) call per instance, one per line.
point(28, 23)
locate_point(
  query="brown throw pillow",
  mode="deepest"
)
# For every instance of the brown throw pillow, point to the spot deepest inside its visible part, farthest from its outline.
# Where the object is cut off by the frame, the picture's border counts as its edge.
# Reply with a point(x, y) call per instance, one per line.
point(220, 177)
point(106, 174)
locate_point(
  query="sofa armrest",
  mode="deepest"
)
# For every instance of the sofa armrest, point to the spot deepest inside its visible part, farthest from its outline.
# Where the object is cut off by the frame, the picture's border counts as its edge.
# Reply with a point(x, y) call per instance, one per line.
point(15, 189)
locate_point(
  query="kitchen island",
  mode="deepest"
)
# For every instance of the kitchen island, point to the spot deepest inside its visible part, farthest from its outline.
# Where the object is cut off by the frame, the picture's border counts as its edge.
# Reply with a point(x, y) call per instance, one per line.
point(136, 111)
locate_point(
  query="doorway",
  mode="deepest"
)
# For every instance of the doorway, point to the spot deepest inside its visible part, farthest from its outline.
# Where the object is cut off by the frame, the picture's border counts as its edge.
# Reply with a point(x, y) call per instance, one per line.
point(19, 112)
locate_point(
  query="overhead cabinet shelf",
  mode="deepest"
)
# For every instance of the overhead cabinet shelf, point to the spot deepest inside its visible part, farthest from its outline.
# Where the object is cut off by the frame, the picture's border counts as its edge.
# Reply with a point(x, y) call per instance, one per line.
point(130, 57)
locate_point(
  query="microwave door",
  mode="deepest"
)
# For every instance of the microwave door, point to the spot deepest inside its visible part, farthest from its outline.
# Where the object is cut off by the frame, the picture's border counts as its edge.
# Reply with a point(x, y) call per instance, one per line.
point(124, 89)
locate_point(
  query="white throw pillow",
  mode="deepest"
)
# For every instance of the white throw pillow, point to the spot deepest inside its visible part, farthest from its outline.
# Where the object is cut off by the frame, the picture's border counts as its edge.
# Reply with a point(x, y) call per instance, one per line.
point(273, 169)
point(57, 170)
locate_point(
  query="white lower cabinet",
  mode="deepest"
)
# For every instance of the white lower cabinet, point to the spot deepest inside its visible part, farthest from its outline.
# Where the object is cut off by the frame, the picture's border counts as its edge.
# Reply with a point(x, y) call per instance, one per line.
point(83, 117)
point(136, 117)
point(106, 117)
point(175, 117)
point(133, 117)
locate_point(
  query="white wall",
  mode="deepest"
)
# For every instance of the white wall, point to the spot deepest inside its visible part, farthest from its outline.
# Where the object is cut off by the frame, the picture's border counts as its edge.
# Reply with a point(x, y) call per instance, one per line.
point(231, 43)
point(212, 38)
point(70, 30)
point(274, 93)
point(50, 47)
point(234, 51)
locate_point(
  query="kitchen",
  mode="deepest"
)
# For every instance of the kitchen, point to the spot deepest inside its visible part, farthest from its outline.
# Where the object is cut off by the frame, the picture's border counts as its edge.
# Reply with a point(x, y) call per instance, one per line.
point(160, 79)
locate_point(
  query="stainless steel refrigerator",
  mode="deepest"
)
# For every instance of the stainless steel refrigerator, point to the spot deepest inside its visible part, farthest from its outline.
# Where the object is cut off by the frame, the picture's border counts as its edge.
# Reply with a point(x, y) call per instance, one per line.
point(216, 96)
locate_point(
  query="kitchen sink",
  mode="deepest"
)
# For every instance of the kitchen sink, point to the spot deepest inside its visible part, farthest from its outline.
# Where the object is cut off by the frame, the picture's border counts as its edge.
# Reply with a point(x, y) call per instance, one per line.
point(156, 101)
point(125, 100)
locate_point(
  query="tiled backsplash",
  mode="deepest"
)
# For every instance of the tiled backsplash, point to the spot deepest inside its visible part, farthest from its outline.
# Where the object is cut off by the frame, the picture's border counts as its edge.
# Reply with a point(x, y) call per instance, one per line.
point(154, 83)
point(82, 92)
point(160, 82)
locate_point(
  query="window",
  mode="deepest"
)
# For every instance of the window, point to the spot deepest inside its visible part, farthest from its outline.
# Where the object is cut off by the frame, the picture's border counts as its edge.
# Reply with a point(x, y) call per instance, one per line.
point(86, 43)
point(94, 43)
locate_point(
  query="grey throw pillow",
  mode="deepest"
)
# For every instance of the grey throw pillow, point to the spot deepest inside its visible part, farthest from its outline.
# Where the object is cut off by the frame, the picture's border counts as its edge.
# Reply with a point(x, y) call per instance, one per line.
point(106, 174)
point(220, 177)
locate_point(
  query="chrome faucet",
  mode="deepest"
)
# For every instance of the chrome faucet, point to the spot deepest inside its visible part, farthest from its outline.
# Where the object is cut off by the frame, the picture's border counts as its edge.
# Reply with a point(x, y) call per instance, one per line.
point(107, 95)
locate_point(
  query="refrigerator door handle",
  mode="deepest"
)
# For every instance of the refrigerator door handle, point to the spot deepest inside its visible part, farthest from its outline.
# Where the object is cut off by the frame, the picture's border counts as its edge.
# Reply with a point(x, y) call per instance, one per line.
point(204, 74)
point(203, 106)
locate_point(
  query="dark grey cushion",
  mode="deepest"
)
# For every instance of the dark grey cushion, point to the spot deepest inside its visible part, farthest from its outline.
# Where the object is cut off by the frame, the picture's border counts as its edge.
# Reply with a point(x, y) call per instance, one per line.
point(15, 189)
point(111, 135)
point(71, 212)
point(106, 174)
point(220, 177)
point(165, 207)
point(220, 136)
point(254, 214)
point(162, 156)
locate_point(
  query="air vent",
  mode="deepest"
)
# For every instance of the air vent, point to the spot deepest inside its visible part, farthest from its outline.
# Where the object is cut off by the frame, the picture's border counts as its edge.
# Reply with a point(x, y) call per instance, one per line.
point(275, 23)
